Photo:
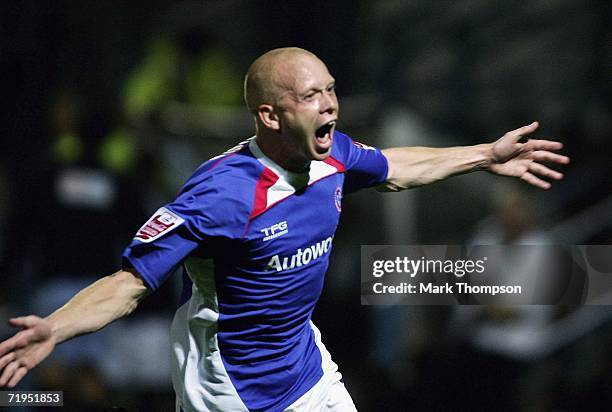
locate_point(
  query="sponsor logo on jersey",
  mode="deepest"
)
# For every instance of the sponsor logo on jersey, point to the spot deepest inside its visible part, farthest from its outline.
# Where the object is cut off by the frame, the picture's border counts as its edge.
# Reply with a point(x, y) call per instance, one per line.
point(162, 222)
point(276, 230)
point(301, 257)
point(338, 198)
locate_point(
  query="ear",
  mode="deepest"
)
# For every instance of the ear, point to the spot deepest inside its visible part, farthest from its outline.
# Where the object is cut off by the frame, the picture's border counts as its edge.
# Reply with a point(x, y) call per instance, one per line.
point(268, 116)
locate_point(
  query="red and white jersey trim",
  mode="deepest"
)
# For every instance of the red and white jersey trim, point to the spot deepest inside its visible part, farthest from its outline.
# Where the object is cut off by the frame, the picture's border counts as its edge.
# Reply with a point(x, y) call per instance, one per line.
point(276, 183)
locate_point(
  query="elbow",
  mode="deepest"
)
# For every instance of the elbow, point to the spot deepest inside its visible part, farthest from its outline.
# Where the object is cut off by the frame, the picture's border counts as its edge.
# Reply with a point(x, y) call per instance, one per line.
point(390, 186)
point(130, 307)
point(132, 289)
point(397, 184)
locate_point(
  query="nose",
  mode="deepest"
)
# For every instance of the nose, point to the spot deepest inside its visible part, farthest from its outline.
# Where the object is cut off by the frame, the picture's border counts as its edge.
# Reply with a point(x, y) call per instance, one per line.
point(329, 103)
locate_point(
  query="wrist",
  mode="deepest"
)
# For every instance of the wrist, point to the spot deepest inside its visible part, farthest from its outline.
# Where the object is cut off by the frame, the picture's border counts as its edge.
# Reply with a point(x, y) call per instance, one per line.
point(488, 157)
point(56, 329)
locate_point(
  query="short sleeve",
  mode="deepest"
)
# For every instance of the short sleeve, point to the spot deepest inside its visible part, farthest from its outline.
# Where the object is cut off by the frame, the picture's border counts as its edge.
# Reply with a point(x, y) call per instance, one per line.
point(365, 166)
point(200, 214)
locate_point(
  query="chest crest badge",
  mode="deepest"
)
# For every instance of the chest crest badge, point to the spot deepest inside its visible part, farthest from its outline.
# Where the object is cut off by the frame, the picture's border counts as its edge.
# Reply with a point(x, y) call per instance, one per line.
point(338, 198)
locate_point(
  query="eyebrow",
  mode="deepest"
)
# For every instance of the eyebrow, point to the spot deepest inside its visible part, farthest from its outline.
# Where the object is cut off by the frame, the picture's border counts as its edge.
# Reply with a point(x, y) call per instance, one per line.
point(316, 89)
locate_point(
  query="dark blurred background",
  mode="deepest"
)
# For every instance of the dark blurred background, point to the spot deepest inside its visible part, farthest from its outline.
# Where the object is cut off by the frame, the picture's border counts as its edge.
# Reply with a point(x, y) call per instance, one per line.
point(110, 105)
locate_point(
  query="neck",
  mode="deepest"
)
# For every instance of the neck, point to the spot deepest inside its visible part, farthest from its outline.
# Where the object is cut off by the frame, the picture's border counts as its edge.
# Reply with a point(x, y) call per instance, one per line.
point(276, 148)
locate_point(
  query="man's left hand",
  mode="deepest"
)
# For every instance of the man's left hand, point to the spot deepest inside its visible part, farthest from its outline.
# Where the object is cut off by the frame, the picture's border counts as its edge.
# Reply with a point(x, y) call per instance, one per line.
point(513, 155)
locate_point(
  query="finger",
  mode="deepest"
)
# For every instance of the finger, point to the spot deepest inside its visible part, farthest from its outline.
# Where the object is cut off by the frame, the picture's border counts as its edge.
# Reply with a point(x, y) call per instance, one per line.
point(545, 171)
point(20, 340)
point(19, 374)
point(530, 128)
point(24, 321)
point(6, 359)
point(535, 181)
point(544, 145)
point(24, 338)
point(8, 345)
point(8, 372)
point(545, 156)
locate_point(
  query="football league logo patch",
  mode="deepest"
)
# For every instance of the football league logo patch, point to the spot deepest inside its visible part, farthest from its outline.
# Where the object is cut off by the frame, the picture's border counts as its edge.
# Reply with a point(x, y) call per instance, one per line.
point(162, 222)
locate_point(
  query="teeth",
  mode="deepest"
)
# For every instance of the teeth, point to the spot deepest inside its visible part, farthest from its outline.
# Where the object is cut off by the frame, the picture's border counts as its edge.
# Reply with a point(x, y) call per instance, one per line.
point(325, 129)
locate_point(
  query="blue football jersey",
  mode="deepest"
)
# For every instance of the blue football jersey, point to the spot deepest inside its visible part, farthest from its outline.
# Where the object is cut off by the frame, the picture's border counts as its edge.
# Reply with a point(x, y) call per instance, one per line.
point(255, 242)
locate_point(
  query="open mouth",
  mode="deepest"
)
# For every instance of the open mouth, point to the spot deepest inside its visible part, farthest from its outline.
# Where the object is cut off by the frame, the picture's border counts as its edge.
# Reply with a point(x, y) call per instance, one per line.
point(323, 135)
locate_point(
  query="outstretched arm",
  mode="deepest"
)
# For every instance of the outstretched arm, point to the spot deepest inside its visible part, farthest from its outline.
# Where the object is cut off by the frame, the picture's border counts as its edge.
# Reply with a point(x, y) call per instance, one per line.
point(106, 300)
point(510, 155)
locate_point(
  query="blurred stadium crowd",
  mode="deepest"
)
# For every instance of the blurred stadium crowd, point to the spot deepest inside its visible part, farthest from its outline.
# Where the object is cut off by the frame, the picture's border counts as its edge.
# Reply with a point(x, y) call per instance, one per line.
point(111, 105)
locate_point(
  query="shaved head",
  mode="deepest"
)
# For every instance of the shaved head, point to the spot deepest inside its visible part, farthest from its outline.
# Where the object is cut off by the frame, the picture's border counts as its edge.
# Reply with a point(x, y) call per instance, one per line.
point(292, 97)
point(264, 80)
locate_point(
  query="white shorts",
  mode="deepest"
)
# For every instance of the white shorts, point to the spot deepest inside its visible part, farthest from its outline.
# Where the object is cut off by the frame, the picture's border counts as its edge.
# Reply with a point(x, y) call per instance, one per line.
point(327, 395)
point(324, 398)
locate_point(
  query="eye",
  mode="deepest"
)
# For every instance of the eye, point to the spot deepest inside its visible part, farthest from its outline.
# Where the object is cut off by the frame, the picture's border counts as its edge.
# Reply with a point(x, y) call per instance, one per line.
point(331, 88)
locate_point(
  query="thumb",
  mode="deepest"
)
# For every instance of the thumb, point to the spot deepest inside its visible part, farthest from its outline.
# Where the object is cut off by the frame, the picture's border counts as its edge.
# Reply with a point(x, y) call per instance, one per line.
point(525, 130)
point(24, 321)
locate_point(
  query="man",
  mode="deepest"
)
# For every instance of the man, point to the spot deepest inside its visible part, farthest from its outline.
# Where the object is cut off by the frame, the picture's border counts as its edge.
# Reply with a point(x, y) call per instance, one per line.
point(253, 228)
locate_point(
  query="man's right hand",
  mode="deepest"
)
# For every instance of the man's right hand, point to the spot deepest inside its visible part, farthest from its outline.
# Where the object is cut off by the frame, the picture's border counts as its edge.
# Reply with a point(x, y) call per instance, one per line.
point(26, 349)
